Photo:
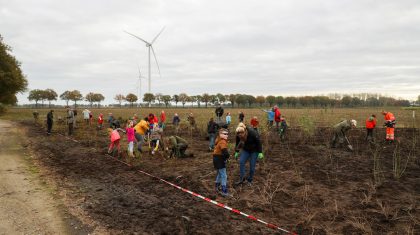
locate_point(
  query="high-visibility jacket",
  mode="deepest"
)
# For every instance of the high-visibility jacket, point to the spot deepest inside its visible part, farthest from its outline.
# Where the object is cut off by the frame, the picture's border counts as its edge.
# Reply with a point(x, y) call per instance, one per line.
point(370, 123)
point(389, 117)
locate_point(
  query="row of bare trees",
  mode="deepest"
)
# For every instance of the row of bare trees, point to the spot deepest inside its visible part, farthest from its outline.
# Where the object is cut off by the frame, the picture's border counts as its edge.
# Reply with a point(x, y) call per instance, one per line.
point(245, 100)
point(238, 100)
point(49, 95)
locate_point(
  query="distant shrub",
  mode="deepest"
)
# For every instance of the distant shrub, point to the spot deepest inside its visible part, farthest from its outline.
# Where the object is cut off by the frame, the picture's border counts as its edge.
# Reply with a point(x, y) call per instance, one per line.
point(307, 125)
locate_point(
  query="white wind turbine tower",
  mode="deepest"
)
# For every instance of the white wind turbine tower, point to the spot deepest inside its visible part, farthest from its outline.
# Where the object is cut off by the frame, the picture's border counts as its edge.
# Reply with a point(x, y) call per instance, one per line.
point(139, 84)
point(150, 46)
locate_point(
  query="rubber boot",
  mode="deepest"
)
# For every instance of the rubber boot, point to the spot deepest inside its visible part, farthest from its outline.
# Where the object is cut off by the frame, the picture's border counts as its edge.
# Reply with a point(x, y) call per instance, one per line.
point(224, 191)
point(216, 187)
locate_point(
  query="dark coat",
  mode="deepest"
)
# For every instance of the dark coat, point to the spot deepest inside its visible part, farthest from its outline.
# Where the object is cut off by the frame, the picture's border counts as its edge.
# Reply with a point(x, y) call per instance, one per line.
point(219, 111)
point(252, 142)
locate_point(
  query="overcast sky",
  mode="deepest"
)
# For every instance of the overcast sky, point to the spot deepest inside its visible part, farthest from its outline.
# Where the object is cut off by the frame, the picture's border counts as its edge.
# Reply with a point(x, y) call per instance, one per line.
point(253, 47)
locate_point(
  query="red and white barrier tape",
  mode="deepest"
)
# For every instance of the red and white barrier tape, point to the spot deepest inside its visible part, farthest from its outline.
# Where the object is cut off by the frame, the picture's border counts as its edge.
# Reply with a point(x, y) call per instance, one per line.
point(272, 226)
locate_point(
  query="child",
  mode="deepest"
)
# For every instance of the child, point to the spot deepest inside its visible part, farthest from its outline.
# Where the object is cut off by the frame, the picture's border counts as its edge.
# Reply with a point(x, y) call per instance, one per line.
point(162, 120)
point(100, 121)
point(220, 156)
point(155, 139)
point(283, 128)
point(228, 119)
point(370, 125)
point(130, 138)
point(115, 140)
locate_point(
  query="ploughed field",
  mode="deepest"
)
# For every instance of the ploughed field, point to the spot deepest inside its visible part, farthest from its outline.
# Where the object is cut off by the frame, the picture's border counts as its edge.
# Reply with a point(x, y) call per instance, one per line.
point(302, 185)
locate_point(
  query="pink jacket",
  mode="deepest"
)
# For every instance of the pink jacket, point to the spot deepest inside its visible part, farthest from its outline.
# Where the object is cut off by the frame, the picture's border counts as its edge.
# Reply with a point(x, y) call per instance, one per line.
point(130, 134)
point(115, 135)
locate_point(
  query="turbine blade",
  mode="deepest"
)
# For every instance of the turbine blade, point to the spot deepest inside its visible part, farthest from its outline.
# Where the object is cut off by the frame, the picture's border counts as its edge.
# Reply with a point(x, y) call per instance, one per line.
point(154, 55)
point(157, 35)
point(137, 37)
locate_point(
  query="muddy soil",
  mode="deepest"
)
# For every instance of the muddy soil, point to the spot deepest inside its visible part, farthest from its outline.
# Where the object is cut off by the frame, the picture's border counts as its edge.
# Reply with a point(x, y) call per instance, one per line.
point(302, 185)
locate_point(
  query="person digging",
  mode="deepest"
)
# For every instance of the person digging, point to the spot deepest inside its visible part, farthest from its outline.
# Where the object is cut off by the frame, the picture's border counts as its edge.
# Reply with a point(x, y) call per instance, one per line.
point(248, 148)
point(177, 147)
point(340, 131)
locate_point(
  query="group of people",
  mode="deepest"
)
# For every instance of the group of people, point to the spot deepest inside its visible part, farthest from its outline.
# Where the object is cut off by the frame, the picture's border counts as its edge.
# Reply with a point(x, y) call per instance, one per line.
point(148, 130)
point(248, 146)
point(344, 126)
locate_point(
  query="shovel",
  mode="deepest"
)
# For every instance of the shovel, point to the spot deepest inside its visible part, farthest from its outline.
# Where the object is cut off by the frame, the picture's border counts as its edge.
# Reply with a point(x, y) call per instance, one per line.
point(349, 146)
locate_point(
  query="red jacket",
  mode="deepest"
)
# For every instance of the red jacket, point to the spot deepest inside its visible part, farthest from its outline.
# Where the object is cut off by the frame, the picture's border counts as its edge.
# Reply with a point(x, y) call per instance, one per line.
point(100, 119)
point(153, 119)
point(370, 124)
point(277, 115)
point(163, 117)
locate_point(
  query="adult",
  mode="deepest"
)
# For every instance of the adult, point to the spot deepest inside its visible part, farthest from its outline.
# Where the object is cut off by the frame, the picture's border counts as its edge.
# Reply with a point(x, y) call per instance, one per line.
point(220, 156)
point(270, 117)
point(75, 118)
point(175, 122)
point(340, 131)
point(241, 116)
point(86, 116)
point(153, 120)
point(191, 120)
point(370, 126)
point(219, 113)
point(254, 123)
point(212, 128)
point(70, 120)
point(177, 146)
point(36, 115)
point(141, 129)
point(277, 116)
point(390, 125)
point(248, 148)
point(50, 120)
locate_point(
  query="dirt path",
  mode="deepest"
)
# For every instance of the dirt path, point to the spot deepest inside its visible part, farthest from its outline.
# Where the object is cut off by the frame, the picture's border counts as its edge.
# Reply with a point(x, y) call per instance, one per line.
point(26, 207)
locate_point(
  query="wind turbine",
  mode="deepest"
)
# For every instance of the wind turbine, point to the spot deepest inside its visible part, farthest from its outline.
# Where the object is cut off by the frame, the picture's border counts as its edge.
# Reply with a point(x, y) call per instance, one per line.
point(150, 46)
point(139, 83)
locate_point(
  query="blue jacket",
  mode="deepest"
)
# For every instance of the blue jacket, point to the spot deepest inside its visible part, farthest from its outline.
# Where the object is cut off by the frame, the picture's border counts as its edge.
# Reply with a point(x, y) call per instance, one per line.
point(270, 114)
